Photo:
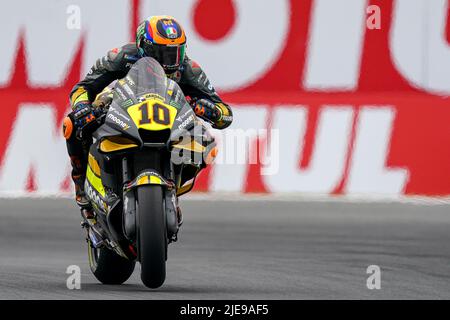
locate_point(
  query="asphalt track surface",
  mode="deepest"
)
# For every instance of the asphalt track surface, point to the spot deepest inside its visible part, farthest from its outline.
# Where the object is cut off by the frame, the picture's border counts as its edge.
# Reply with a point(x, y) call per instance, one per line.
point(242, 250)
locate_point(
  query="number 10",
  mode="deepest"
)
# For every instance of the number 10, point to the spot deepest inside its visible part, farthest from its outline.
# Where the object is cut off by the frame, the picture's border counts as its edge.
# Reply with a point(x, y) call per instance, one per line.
point(160, 114)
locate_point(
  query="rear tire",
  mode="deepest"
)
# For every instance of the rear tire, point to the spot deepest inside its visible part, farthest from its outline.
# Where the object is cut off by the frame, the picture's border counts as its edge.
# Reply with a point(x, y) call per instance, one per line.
point(152, 235)
point(108, 267)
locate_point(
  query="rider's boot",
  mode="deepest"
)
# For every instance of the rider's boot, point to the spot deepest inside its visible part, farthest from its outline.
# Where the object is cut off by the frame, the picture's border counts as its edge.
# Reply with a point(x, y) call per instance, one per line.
point(80, 195)
point(87, 213)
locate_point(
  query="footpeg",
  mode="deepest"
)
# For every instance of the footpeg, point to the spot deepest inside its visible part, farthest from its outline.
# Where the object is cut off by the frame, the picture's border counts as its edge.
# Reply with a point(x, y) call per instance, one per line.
point(95, 238)
point(88, 218)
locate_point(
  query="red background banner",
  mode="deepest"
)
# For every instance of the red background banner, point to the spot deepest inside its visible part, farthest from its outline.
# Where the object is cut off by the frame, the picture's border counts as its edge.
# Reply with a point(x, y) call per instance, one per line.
point(419, 136)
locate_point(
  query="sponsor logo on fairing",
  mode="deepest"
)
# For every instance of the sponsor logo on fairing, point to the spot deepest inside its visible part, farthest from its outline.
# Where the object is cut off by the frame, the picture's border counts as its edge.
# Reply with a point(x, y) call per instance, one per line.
point(119, 92)
point(150, 96)
point(130, 81)
point(186, 122)
point(117, 112)
point(117, 121)
point(127, 103)
point(95, 197)
point(181, 117)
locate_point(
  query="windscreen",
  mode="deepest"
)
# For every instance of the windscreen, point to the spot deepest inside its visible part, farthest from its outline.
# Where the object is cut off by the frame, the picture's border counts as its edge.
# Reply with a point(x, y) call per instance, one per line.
point(144, 78)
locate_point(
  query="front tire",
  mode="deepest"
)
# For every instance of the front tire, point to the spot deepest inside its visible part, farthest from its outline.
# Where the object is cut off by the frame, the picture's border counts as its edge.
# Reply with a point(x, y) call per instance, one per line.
point(108, 267)
point(152, 235)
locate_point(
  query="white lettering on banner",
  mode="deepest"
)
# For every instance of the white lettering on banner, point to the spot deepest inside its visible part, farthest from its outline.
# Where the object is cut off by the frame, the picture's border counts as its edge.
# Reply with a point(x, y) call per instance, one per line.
point(50, 45)
point(418, 45)
point(419, 50)
point(335, 45)
point(248, 44)
point(328, 159)
point(33, 139)
point(367, 169)
point(229, 174)
point(34, 146)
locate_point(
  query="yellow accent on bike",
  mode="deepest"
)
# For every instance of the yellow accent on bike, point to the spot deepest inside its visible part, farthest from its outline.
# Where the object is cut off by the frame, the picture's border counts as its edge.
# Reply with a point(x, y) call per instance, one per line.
point(149, 180)
point(112, 144)
point(185, 188)
point(150, 96)
point(152, 115)
point(95, 167)
point(95, 181)
point(190, 146)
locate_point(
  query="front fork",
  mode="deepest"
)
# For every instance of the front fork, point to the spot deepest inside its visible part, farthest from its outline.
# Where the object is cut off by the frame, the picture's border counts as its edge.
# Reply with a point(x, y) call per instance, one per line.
point(146, 177)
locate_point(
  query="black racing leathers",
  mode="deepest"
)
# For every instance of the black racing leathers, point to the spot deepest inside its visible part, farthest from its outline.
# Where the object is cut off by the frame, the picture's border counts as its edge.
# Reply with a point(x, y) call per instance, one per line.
point(115, 65)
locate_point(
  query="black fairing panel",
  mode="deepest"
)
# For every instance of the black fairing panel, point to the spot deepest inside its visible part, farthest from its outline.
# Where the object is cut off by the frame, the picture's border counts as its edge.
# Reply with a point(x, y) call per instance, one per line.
point(107, 167)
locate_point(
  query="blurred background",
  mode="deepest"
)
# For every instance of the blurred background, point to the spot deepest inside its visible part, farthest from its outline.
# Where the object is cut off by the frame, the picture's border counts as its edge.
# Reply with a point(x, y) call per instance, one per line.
point(334, 97)
point(331, 99)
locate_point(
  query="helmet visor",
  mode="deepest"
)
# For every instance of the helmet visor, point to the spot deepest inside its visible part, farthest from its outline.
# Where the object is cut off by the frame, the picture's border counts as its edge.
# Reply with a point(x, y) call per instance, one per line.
point(169, 56)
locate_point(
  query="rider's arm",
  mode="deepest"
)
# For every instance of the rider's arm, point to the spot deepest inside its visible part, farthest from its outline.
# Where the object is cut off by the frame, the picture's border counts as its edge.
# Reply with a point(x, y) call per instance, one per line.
point(196, 84)
point(114, 65)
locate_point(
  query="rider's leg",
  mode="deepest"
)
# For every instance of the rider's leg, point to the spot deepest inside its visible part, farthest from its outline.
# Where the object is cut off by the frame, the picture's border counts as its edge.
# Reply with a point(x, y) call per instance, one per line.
point(78, 152)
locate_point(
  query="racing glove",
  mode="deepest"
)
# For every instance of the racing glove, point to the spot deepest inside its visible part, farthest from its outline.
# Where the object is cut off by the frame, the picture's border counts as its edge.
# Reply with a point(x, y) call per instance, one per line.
point(206, 110)
point(218, 114)
point(83, 119)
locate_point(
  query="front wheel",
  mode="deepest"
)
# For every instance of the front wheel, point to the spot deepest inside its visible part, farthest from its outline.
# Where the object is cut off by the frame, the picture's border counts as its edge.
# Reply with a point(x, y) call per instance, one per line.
point(152, 235)
point(108, 267)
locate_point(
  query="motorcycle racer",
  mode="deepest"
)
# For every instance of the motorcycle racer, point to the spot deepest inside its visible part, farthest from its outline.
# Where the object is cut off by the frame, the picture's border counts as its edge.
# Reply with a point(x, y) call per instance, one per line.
point(159, 37)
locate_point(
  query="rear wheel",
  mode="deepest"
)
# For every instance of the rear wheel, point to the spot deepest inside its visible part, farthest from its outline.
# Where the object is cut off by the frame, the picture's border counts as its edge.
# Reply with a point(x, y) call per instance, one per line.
point(152, 235)
point(108, 267)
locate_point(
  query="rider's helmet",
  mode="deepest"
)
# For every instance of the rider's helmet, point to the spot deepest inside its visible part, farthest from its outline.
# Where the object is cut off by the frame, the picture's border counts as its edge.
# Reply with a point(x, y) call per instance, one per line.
point(162, 38)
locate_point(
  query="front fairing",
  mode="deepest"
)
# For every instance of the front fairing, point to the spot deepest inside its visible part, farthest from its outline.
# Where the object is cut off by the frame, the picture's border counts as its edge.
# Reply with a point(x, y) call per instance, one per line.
point(147, 101)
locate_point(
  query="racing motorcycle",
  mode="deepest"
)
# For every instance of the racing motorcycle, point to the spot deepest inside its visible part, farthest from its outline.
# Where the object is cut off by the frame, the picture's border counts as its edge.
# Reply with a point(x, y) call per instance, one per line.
point(146, 152)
